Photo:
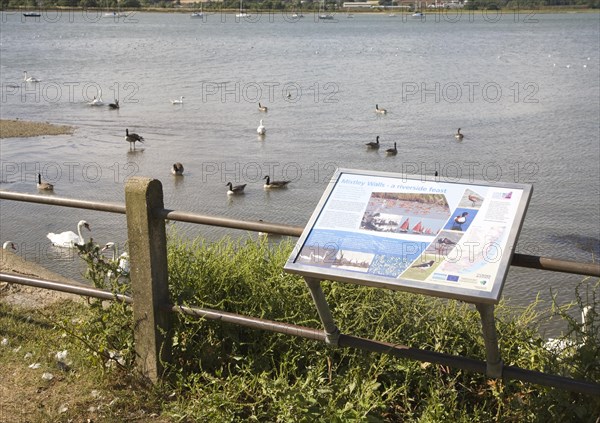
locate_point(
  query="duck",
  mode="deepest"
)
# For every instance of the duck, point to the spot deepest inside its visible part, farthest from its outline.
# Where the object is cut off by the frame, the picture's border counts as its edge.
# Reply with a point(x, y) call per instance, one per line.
point(30, 79)
point(69, 239)
point(123, 265)
point(9, 244)
point(262, 108)
point(177, 169)
point(44, 186)
point(235, 190)
point(180, 101)
point(274, 184)
point(372, 144)
point(132, 138)
point(114, 105)
point(458, 135)
point(392, 151)
point(261, 130)
point(378, 110)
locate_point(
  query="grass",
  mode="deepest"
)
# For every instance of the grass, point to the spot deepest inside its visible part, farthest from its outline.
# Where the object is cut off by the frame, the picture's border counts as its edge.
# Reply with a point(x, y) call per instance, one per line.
point(223, 372)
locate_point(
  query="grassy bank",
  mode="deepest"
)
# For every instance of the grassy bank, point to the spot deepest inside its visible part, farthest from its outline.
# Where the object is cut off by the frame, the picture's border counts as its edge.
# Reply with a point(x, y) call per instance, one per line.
point(222, 372)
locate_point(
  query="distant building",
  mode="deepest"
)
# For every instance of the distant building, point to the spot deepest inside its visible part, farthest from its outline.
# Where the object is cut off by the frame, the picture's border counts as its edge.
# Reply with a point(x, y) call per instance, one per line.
point(360, 4)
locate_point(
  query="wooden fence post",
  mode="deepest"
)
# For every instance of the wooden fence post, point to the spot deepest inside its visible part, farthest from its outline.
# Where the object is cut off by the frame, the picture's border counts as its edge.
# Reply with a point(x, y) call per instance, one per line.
point(149, 275)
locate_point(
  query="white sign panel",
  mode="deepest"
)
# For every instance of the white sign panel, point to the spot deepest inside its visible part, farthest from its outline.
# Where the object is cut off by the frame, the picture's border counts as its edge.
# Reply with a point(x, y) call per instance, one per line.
point(448, 239)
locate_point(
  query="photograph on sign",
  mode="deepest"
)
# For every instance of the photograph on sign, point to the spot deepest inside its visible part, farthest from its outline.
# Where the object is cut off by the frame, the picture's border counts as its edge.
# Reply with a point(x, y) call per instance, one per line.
point(451, 237)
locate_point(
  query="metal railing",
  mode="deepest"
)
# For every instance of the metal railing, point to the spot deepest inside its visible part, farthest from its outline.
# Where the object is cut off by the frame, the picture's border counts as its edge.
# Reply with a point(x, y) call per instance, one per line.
point(146, 213)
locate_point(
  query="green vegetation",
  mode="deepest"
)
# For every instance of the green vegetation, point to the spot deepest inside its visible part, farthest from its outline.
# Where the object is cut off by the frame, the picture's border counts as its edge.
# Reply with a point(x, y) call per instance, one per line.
point(222, 372)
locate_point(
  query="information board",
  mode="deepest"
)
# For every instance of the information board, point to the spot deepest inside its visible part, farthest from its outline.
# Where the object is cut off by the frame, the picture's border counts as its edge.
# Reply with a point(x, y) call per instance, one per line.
point(447, 239)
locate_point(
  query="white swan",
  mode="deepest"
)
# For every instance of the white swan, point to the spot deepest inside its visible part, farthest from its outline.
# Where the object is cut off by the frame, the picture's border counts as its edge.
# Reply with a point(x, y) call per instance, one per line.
point(69, 239)
point(30, 79)
point(123, 260)
point(180, 101)
point(8, 244)
point(44, 186)
point(261, 130)
point(177, 169)
point(562, 346)
point(97, 101)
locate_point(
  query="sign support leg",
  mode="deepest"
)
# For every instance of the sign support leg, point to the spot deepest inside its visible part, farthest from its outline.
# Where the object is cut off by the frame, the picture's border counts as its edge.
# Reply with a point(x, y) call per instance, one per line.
point(332, 332)
point(490, 337)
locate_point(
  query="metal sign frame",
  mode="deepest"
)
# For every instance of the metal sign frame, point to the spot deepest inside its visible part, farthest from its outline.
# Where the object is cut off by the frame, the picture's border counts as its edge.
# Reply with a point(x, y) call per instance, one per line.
point(319, 253)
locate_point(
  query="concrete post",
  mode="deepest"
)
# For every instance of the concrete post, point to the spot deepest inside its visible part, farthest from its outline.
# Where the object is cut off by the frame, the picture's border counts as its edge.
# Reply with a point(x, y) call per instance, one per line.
point(149, 275)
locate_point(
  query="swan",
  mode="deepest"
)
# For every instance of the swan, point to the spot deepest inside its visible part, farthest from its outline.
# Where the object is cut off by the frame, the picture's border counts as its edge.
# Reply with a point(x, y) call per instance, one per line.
point(44, 186)
point(8, 244)
point(123, 260)
point(30, 79)
point(180, 101)
point(274, 184)
point(97, 101)
point(132, 138)
point(458, 135)
point(234, 190)
point(177, 169)
point(392, 151)
point(381, 111)
point(261, 130)
point(114, 105)
point(562, 345)
point(373, 144)
point(69, 239)
point(262, 108)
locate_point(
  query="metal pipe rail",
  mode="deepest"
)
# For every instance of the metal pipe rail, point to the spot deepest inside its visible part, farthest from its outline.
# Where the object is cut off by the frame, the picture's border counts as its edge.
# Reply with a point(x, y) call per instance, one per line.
point(346, 341)
point(520, 260)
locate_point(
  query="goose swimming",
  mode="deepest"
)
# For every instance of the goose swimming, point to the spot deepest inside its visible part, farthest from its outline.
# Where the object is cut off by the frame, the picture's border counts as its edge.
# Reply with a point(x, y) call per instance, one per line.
point(177, 169)
point(274, 184)
point(373, 144)
point(44, 186)
point(235, 190)
point(114, 105)
point(458, 135)
point(380, 111)
point(262, 108)
point(392, 151)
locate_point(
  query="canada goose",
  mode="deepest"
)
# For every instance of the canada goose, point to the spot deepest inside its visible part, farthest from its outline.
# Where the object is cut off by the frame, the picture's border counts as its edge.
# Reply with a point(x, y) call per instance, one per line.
point(69, 239)
point(274, 184)
point(114, 105)
point(458, 135)
point(235, 190)
point(132, 138)
point(261, 130)
point(177, 169)
point(44, 186)
point(373, 144)
point(392, 151)
point(30, 79)
point(378, 110)
point(180, 101)
point(262, 108)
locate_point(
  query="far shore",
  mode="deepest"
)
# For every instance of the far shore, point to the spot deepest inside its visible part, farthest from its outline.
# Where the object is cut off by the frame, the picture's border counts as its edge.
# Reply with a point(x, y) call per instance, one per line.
point(22, 129)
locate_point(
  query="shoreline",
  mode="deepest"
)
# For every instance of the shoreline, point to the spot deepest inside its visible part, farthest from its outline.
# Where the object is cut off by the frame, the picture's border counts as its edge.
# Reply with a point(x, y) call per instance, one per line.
point(15, 128)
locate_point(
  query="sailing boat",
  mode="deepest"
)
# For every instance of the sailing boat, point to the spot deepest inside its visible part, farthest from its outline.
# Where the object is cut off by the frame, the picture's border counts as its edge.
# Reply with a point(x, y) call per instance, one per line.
point(404, 227)
point(242, 14)
point(324, 15)
point(418, 228)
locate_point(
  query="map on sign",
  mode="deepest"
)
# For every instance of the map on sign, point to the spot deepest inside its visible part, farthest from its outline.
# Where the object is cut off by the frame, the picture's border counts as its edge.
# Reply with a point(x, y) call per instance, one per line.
point(449, 239)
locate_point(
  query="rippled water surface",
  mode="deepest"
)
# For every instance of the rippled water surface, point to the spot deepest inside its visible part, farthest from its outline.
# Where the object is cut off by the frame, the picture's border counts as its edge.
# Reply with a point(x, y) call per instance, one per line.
point(524, 89)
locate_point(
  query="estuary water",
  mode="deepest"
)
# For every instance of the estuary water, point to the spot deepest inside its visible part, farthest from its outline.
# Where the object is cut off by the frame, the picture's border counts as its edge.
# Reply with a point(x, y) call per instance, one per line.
point(524, 89)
